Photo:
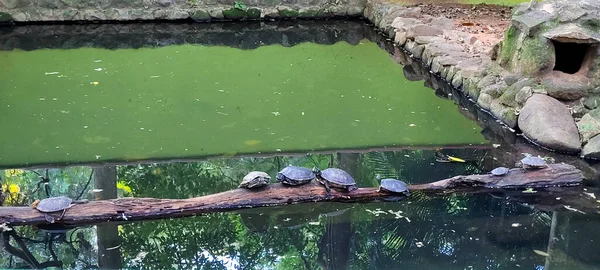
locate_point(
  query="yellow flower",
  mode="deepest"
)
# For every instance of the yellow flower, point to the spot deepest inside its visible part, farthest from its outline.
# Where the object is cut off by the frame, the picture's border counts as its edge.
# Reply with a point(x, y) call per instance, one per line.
point(157, 171)
point(13, 189)
point(126, 189)
point(4, 187)
point(15, 172)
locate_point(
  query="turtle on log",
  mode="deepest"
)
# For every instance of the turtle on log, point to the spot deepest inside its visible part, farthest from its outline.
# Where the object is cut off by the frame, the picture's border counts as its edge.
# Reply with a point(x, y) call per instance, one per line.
point(294, 176)
point(255, 179)
point(335, 178)
point(55, 204)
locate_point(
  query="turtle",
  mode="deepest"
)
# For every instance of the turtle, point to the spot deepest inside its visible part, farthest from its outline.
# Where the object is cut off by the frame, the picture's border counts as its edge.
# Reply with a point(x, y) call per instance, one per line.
point(500, 171)
point(54, 204)
point(336, 178)
point(393, 186)
point(294, 176)
point(532, 162)
point(255, 179)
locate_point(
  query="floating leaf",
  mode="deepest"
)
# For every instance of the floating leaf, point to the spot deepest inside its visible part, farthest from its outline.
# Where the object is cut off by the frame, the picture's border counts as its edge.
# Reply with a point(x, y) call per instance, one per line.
point(541, 253)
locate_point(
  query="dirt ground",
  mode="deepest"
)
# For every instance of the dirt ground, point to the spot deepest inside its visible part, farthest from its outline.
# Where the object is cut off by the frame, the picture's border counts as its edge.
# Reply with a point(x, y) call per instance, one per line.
point(486, 22)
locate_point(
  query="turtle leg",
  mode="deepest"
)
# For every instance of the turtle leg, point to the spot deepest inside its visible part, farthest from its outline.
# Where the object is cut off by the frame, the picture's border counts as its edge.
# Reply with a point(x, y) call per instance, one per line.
point(351, 188)
point(63, 214)
point(49, 218)
point(327, 187)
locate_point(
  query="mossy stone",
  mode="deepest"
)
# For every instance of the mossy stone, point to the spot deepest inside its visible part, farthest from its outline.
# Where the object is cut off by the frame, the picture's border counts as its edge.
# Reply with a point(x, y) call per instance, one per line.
point(508, 45)
point(253, 13)
point(288, 13)
point(313, 13)
point(508, 98)
point(5, 17)
point(536, 54)
point(200, 15)
point(234, 14)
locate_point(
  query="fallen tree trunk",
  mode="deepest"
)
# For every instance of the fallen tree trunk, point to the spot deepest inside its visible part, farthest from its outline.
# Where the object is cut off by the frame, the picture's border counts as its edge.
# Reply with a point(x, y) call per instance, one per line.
point(133, 209)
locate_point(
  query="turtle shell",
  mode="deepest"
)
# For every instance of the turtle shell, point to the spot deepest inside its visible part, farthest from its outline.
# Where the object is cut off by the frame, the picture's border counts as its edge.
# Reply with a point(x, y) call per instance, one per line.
point(499, 171)
point(394, 186)
point(533, 162)
point(337, 177)
point(255, 179)
point(54, 204)
point(293, 175)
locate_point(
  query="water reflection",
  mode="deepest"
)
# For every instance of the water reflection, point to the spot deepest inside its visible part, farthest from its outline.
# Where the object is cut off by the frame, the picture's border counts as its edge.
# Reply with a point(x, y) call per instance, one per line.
point(453, 231)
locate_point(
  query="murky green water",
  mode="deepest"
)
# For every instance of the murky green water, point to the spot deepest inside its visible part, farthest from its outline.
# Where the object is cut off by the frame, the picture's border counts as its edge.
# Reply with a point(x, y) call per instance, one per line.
point(93, 104)
point(498, 230)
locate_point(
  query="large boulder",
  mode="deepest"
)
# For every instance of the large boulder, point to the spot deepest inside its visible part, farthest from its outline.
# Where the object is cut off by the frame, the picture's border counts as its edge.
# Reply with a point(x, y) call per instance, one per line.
point(548, 122)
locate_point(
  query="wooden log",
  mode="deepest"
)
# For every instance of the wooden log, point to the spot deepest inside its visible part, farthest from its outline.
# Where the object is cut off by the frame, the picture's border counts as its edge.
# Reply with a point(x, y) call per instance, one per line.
point(133, 209)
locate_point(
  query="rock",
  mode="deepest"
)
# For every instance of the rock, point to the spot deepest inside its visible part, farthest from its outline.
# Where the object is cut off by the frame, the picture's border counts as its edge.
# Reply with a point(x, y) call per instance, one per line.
point(10, 4)
point(400, 38)
point(573, 33)
point(457, 78)
point(548, 122)
point(442, 23)
point(589, 125)
point(592, 102)
point(355, 11)
point(508, 98)
point(495, 90)
point(164, 3)
point(428, 39)
point(216, 13)
point(523, 94)
point(531, 22)
point(415, 49)
point(470, 86)
point(484, 101)
point(5, 17)
point(422, 30)
point(506, 114)
point(570, 13)
point(438, 63)
point(403, 23)
point(592, 149)
point(566, 86)
point(200, 16)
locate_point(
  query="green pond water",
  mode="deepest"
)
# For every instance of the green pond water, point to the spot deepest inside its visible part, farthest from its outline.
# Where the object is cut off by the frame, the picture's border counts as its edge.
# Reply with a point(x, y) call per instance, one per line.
point(93, 104)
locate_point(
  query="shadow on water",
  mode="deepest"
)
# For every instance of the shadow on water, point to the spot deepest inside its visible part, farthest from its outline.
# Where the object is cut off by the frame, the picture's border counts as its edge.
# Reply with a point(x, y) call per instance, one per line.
point(500, 230)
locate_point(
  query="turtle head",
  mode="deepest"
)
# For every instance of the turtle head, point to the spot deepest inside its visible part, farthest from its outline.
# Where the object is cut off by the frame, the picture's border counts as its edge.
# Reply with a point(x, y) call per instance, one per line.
point(316, 170)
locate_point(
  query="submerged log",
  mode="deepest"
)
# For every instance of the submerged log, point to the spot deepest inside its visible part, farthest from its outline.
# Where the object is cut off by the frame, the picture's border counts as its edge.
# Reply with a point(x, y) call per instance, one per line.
point(133, 209)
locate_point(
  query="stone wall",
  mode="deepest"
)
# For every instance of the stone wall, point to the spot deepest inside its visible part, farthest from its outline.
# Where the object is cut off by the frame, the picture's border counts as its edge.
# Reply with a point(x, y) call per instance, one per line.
point(201, 10)
point(243, 35)
point(543, 79)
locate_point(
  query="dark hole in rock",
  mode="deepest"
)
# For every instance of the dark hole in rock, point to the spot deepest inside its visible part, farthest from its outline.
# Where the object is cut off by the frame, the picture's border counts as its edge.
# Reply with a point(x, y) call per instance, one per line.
point(569, 56)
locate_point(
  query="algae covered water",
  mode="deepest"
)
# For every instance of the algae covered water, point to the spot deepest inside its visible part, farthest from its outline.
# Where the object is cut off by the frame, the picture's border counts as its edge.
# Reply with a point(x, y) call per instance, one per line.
point(192, 100)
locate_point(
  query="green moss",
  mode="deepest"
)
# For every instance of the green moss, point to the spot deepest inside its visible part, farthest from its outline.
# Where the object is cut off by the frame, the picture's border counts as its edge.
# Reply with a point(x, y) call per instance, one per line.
point(234, 14)
point(592, 24)
point(5, 17)
point(470, 87)
point(200, 15)
point(288, 13)
point(253, 13)
point(508, 46)
point(536, 54)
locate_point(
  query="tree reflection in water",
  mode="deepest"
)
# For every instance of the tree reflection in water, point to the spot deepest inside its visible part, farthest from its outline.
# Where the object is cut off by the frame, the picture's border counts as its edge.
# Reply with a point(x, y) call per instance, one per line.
point(451, 232)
